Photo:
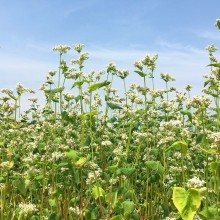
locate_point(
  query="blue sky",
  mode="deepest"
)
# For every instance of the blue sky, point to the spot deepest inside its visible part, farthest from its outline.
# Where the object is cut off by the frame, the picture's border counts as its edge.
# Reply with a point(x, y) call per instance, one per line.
point(119, 31)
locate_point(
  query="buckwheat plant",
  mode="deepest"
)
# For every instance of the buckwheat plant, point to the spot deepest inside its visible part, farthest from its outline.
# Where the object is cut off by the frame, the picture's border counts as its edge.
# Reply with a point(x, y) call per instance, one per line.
point(93, 152)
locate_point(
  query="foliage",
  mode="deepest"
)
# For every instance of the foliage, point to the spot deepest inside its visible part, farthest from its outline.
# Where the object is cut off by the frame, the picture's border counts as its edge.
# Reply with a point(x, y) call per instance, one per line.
point(92, 154)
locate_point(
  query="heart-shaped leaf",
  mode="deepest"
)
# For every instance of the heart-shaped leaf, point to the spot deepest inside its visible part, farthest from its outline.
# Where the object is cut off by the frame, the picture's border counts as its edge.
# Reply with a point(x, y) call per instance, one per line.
point(187, 202)
point(128, 171)
point(128, 206)
point(72, 155)
point(80, 162)
point(97, 192)
point(179, 145)
point(156, 166)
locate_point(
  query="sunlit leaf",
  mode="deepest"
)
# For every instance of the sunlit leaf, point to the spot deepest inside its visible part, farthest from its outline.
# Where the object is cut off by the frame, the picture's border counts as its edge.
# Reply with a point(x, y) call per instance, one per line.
point(128, 206)
point(187, 202)
point(80, 162)
point(142, 74)
point(97, 192)
point(52, 202)
point(89, 114)
point(54, 91)
point(214, 64)
point(39, 177)
point(210, 212)
point(96, 86)
point(112, 198)
point(78, 84)
point(117, 217)
point(182, 146)
point(72, 155)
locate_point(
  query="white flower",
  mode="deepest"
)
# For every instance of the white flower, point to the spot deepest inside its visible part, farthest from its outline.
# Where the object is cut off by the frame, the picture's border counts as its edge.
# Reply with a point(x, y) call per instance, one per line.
point(62, 48)
point(57, 155)
point(27, 208)
point(78, 47)
point(195, 182)
point(167, 77)
point(211, 48)
point(106, 143)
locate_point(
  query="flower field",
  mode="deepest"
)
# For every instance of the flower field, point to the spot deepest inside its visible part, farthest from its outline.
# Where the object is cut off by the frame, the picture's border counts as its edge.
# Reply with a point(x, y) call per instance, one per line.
point(92, 154)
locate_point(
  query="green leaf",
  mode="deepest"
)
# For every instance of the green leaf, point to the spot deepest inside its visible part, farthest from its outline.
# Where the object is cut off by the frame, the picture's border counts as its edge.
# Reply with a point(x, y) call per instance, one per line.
point(72, 155)
point(179, 145)
point(214, 64)
point(112, 168)
point(66, 117)
point(87, 141)
point(200, 138)
point(184, 112)
point(63, 164)
point(117, 217)
point(209, 151)
point(140, 73)
point(187, 202)
point(52, 216)
point(13, 97)
point(90, 214)
point(39, 177)
point(54, 91)
point(79, 83)
point(207, 82)
point(80, 162)
point(128, 207)
point(155, 166)
point(52, 202)
point(209, 213)
point(112, 198)
point(77, 98)
point(113, 106)
point(89, 114)
point(128, 171)
point(96, 86)
point(214, 167)
point(20, 185)
point(97, 192)
point(154, 178)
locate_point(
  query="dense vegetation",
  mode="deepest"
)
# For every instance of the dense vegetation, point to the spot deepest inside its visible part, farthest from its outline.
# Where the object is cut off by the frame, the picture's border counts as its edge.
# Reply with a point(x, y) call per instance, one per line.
point(92, 154)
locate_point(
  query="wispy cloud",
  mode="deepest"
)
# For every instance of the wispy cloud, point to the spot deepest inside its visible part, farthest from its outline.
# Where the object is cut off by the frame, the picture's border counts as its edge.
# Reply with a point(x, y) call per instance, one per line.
point(178, 46)
point(187, 64)
point(210, 35)
point(75, 8)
